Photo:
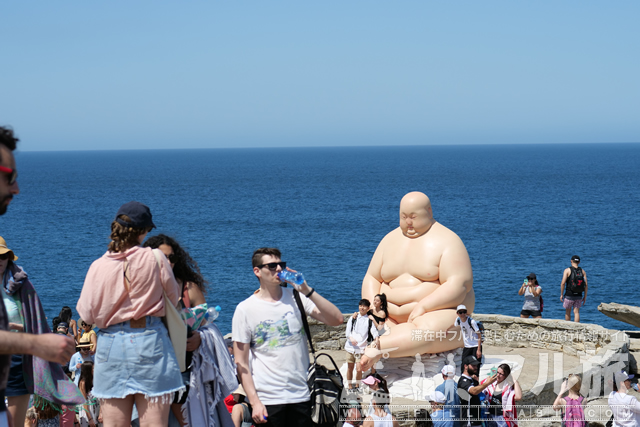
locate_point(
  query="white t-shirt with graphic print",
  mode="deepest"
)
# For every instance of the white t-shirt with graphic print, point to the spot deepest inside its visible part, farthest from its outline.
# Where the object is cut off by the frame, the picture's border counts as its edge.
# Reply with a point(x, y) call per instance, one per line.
point(279, 357)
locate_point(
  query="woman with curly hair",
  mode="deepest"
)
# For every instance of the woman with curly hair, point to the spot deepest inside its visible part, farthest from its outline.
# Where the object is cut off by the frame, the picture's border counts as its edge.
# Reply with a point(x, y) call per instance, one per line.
point(188, 276)
point(193, 285)
point(123, 294)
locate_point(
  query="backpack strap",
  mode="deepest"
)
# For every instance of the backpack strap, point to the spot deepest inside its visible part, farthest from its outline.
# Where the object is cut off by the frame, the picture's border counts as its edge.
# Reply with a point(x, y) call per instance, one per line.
point(471, 325)
point(305, 323)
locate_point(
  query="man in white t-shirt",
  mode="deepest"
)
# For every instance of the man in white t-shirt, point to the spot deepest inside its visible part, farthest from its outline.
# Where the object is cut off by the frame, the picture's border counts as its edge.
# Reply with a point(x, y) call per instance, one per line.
point(270, 345)
point(360, 332)
point(471, 333)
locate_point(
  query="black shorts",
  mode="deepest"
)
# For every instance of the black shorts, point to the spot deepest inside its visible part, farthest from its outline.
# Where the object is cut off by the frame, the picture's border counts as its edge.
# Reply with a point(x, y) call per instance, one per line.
point(531, 313)
point(470, 351)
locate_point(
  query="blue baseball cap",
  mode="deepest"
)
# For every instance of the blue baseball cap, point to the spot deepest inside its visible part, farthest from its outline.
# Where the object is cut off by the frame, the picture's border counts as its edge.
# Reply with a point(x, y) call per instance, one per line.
point(139, 214)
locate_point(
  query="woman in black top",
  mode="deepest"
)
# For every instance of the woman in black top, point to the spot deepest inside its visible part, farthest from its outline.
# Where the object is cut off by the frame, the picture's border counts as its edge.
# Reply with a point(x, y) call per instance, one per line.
point(379, 313)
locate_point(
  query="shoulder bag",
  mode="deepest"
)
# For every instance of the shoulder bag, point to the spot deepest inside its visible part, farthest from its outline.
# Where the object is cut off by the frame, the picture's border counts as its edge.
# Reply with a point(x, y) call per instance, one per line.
point(175, 324)
point(325, 385)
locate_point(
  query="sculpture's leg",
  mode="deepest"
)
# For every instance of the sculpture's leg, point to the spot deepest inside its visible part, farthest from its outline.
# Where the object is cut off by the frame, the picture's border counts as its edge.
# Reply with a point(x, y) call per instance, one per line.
point(430, 333)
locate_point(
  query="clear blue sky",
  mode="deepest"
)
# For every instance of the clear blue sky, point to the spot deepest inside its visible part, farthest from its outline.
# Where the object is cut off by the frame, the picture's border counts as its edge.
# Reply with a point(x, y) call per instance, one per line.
point(206, 74)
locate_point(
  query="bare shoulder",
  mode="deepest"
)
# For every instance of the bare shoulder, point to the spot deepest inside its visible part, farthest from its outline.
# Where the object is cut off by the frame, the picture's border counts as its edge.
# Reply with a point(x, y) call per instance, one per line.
point(446, 235)
point(392, 236)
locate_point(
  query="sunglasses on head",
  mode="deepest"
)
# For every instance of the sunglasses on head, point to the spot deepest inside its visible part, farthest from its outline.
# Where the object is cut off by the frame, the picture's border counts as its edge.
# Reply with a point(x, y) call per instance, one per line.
point(273, 266)
point(462, 312)
point(12, 174)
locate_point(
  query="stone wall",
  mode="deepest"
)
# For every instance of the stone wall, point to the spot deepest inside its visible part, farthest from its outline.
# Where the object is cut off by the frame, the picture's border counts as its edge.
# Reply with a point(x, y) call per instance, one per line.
point(576, 339)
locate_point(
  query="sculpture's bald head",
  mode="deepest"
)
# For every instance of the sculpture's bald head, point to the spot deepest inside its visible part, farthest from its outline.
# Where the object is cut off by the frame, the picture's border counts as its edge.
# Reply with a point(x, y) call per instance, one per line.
point(416, 217)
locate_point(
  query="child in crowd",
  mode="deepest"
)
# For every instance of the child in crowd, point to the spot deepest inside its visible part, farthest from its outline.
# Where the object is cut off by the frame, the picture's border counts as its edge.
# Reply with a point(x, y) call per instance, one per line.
point(571, 404)
point(360, 332)
point(82, 355)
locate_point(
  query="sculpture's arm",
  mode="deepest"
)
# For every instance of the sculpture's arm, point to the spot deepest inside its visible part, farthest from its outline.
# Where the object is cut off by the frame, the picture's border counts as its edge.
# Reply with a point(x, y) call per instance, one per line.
point(456, 280)
point(372, 281)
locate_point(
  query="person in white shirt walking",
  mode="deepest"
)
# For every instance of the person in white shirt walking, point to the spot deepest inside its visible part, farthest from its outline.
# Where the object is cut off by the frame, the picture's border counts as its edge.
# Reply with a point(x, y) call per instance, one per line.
point(360, 332)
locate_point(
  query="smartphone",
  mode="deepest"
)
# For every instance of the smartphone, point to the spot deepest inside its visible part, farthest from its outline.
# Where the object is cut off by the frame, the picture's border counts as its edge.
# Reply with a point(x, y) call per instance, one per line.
point(526, 281)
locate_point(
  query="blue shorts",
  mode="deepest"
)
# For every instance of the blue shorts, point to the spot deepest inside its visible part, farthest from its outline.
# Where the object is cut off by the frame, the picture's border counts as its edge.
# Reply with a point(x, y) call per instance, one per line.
point(136, 361)
point(15, 383)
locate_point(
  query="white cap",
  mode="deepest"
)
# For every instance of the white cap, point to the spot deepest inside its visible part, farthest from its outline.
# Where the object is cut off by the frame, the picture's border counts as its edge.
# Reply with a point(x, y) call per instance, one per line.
point(461, 307)
point(448, 370)
point(437, 396)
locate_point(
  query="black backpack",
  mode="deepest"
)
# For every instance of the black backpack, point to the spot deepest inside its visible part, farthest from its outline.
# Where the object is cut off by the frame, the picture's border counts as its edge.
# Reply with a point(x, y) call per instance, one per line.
point(480, 327)
point(576, 281)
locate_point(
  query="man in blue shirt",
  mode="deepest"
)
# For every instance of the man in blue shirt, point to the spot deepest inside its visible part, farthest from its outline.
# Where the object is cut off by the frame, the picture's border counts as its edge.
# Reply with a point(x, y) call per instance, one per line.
point(449, 388)
point(83, 355)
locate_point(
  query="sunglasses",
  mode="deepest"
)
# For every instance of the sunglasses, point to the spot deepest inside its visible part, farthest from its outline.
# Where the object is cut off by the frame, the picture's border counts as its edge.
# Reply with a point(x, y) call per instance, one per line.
point(13, 174)
point(84, 349)
point(462, 312)
point(273, 266)
point(6, 255)
point(172, 258)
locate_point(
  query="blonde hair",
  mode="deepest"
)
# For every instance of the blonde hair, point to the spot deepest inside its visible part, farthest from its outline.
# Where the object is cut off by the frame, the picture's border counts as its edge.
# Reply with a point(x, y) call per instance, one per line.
point(32, 415)
point(578, 382)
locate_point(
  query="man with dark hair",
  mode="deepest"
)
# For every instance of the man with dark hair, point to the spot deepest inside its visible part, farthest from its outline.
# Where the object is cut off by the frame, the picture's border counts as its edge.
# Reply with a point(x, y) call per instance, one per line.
point(52, 347)
point(575, 279)
point(469, 389)
point(268, 329)
point(360, 332)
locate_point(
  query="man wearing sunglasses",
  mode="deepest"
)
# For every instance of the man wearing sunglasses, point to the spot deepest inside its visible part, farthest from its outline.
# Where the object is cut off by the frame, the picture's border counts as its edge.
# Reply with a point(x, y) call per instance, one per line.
point(52, 347)
point(268, 329)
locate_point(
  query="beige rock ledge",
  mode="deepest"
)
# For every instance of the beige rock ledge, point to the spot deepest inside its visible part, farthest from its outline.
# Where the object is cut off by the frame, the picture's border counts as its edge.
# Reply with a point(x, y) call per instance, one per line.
point(547, 350)
point(624, 313)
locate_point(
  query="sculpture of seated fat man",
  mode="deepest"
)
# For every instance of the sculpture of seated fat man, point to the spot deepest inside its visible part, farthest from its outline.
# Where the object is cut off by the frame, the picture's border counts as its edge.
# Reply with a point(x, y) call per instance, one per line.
point(425, 272)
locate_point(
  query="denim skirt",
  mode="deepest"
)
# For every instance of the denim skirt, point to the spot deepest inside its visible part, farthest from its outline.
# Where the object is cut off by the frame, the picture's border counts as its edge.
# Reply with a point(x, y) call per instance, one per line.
point(136, 361)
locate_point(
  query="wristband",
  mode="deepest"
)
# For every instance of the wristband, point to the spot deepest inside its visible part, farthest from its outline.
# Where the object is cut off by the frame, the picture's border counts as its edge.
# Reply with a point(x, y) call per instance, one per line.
point(310, 293)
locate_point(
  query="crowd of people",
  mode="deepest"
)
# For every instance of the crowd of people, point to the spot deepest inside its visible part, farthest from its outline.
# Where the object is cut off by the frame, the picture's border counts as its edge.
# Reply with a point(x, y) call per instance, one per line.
point(119, 365)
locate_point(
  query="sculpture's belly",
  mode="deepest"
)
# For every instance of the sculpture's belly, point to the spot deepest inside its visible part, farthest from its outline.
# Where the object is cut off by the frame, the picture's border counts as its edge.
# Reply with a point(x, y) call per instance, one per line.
point(406, 289)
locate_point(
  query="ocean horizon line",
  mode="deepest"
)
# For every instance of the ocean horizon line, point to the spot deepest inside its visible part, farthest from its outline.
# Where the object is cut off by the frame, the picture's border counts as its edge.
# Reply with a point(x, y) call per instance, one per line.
point(296, 147)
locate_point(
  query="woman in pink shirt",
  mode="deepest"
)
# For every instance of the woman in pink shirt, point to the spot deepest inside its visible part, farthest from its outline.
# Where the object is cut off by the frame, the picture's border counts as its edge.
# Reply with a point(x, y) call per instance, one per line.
point(123, 295)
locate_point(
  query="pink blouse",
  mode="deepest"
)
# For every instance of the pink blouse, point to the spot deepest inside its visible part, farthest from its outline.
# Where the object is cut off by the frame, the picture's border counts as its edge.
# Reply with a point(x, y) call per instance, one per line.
point(105, 301)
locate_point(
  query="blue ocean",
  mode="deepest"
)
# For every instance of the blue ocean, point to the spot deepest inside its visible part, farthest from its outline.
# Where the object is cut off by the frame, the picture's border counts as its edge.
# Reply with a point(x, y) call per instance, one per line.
point(518, 208)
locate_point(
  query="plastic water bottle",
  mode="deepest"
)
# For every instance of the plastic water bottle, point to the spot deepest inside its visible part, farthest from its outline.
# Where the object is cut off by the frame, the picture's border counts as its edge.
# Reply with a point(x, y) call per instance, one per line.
point(213, 313)
point(291, 277)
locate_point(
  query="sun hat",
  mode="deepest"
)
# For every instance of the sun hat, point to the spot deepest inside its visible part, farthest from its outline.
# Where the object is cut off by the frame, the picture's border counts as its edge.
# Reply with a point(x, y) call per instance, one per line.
point(4, 249)
point(437, 396)
point(139, 215)
point(370, 380)
point(240, 390)
point(461, 307)
point(448, 370)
